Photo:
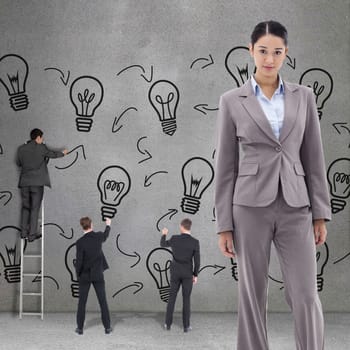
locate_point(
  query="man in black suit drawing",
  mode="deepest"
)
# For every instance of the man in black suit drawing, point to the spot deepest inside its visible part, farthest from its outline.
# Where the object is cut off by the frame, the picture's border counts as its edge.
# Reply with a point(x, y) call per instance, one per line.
point(184, 270)
point(90, 264)
point(32, 157)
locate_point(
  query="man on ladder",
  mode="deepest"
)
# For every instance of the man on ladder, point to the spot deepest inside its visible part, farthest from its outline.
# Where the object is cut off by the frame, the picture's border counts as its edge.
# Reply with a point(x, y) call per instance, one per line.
point(32, 157)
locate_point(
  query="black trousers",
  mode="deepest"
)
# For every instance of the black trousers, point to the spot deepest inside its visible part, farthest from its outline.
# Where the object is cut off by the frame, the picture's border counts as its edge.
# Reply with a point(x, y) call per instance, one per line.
point(32, 197)
point(84, 287)
point(186, 283)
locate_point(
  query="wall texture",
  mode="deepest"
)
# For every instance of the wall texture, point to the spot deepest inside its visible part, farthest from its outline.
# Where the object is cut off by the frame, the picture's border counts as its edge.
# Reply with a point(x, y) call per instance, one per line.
point(131, 88)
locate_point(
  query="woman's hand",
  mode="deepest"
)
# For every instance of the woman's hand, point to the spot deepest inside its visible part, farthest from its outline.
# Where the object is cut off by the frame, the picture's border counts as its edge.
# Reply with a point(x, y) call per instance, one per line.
point(226, 244)
point(320, 231)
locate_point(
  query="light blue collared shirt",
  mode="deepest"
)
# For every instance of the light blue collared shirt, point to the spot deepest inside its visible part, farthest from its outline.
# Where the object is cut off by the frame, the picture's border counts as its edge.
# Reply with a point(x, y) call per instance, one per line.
point(274, 108)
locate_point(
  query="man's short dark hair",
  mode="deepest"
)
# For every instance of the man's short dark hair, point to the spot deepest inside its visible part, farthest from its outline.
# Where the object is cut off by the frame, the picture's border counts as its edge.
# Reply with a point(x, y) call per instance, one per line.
point(35, 133)
point(186, 224)
point(85, 223)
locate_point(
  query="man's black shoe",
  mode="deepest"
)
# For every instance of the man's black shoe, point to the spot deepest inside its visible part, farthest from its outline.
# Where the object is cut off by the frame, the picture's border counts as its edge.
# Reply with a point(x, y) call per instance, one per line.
point(79, 331)
point(32, 238)
point(108, 330)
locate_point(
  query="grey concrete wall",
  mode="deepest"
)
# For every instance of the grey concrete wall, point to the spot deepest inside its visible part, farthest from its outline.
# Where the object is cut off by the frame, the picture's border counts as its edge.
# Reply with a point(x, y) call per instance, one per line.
point(129, 48)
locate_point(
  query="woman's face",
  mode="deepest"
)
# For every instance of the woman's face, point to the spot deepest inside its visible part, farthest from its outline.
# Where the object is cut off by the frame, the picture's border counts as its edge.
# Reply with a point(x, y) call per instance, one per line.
point(269, 53)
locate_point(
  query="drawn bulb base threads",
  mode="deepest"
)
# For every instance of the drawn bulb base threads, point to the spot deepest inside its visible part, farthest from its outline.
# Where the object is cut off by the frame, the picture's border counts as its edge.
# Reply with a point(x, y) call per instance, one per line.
point(108, 212)
point(164, 294)
point(320, 282)
point(234, 270)
point(19, 102)
point(12, 274)
point(75, 289)
point(83, 124)
point(337, 205)
point(190, 205)
point(169, 126)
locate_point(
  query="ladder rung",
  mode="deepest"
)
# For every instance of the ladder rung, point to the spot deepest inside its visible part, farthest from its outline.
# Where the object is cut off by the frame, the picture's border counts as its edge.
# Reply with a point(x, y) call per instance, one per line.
point(31, 313)
point(32, 256)
point(31, 274)
point(31, 294)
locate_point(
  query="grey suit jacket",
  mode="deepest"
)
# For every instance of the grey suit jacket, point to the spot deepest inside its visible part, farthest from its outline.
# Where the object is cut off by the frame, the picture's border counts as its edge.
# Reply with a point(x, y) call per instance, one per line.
point(32, 158)
point(251, 161)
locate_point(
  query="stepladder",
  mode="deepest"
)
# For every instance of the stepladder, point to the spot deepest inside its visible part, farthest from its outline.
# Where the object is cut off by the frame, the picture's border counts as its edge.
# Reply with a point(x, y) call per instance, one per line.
point(32, 258)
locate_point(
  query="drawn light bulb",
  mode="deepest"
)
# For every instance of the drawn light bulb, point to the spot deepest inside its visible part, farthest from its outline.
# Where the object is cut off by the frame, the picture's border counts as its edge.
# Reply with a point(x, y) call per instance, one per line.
point(69, 260)
point(234, 269)
point(11, 253)
point(321, 82)
point(238, 64)
point(322, 255)
point(164, 98)
point(86, 94)
point(197, 175)
point(158, 265)
point(338, 176)
point(114, 184)
point(13, 75)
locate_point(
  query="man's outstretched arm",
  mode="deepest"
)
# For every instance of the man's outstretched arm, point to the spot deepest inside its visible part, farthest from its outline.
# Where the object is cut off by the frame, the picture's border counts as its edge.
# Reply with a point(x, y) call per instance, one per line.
point(163, 241)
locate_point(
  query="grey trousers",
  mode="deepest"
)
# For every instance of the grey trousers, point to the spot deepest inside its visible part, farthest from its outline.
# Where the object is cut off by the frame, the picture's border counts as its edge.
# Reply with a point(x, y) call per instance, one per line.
point(291, 231)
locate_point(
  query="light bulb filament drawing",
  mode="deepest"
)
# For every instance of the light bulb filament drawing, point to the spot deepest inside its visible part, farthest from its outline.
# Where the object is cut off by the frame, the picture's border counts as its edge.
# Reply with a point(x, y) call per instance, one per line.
point(163, 275)
point(195, 183)
point(112, 188)
point(85, 100)
point(165, 104)
point(243, 73)
point(343, 180)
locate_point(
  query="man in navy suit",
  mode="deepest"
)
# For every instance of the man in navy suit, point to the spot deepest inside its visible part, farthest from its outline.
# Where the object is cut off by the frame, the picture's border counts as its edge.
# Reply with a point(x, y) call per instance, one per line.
point(90, 264)
point(184, 270)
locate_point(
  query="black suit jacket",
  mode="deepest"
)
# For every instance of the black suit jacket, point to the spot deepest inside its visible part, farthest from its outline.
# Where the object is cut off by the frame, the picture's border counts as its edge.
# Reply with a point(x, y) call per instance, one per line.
point(90, 260)
point(186, 254)
point(32, 158)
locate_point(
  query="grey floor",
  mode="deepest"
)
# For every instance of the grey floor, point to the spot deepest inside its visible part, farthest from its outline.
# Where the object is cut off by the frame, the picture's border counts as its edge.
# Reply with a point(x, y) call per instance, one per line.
point(143, 331)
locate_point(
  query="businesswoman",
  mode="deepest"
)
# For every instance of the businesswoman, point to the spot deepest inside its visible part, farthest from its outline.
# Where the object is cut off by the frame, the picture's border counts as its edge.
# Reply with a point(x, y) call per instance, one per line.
point(271, 187)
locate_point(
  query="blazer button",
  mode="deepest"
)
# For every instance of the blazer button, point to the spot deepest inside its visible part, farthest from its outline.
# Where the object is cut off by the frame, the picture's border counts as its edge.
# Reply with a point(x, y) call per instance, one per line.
point(278, 149)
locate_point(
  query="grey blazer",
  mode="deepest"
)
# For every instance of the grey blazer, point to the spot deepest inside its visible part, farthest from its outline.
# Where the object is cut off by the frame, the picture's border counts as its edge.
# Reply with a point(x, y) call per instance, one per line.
point(33, 158)
point(251, 161)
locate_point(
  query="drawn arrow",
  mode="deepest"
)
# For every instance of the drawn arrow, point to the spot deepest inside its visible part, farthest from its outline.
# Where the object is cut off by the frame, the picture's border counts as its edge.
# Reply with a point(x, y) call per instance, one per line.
point(170, 213)
point(7, 195)
point(291, 62)
point(61, 233)
point(214, 215)
point(138, 285)
point(210, 60)
point(338, 126)
point(342, 258)
point(38, 279)
point(147, 182)
point(277, 281)
point(64, 80)
point(74, 151)
point(115, 126)
point(143, 152)
point(203, 108)
point(219, 268)
point(142, 69)
point(134, 255)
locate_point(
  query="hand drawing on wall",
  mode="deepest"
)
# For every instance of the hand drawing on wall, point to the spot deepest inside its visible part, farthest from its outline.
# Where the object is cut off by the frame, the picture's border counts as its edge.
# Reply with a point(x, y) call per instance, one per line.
point(321, 82)
point(13, 75)
point(70, 260)
point(197, 175)
point(170, 214)
point(114, 184)
point(116, 127)
point(10, 253)
point(338, 176)
point(143, 151)
point(138, 285)
point(322, 256)
point(62, 75)
point(5, 197)
point(139, 67)
point(164, 98)
point(239, 64)
point(158, 265)
point(72, 156)
point(133, 255)
point(207, 62)
point(86, 94)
